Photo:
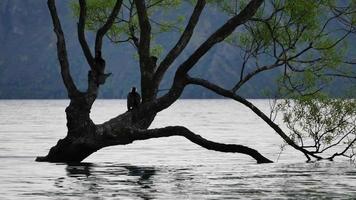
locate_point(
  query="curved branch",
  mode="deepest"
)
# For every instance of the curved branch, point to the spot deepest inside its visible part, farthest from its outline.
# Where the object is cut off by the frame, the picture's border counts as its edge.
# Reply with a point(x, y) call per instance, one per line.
point(62, 51)
point(254, 73)
point(344, 151)
point(81, 33)
point(105, 28)
point(229, 94)
point(182, 42)
point(197, 139)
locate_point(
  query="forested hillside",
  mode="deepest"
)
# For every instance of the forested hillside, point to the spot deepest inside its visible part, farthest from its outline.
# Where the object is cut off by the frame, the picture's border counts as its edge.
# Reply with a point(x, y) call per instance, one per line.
point(29, 66)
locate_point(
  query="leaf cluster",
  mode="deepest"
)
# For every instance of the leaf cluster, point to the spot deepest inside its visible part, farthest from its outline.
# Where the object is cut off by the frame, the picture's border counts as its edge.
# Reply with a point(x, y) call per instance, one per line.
point(320, 123)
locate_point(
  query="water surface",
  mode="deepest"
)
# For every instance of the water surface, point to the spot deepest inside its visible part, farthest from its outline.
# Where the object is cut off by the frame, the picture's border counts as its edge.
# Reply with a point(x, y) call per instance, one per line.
point(167, 168)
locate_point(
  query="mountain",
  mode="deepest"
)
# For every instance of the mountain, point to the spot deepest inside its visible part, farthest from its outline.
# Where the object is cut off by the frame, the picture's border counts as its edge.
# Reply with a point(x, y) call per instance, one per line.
point(29, 68)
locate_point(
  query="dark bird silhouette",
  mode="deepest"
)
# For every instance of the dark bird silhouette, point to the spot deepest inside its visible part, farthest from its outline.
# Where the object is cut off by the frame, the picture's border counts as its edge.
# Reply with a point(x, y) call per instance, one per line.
point(133, 99)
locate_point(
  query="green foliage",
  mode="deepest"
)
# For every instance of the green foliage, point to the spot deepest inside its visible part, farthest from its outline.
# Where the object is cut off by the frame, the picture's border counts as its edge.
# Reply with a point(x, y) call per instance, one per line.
point(156, 50)
point(126, 25)
point(319, 122)
point(296, 33)
point(97, 12)
point(302, 35)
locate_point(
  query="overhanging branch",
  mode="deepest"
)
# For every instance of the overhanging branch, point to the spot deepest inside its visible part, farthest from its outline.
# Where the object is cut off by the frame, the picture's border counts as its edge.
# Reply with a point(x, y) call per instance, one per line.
point(229, 94)
point(169, 131)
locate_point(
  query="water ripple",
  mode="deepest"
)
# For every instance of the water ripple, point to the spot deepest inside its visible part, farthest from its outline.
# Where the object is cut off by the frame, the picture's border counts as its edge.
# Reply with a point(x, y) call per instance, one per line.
point(169, 168)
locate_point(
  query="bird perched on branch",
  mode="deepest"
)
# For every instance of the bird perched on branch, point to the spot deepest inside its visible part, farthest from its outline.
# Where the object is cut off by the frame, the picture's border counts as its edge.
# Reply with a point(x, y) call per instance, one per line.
point(133, 99)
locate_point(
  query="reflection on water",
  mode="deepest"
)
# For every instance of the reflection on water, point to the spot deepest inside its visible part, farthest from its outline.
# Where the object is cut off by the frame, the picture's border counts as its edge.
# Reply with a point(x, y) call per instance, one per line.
point(108, 180)
point(170, 168)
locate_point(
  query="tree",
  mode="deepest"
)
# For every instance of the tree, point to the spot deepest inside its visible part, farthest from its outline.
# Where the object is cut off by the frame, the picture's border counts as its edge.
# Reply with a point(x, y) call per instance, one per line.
point(324, 126)
point(294, 37)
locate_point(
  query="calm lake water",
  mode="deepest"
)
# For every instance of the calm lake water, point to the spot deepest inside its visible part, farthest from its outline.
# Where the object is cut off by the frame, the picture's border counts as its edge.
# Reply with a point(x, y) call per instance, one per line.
point(167, 168)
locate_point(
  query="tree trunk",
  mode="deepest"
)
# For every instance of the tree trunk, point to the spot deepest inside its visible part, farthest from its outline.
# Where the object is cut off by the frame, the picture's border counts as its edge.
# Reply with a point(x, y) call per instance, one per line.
point(74, 147)
point(85, 138)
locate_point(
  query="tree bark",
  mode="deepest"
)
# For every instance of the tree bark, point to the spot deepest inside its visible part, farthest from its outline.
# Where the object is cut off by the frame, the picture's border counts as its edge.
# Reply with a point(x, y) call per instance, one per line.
point(77, 146)
point(197, 139)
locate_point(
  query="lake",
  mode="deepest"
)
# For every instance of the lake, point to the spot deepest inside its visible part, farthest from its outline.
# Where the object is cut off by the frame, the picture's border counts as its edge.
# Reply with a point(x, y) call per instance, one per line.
point(167, 168)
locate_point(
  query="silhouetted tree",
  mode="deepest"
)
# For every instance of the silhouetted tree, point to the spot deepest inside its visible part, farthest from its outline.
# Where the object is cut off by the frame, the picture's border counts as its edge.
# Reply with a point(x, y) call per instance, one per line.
point(294, 36)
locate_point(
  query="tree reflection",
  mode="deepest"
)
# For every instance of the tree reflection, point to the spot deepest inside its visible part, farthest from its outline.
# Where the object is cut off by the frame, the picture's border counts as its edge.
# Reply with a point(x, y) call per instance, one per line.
point(79, 169)
point(107, 180)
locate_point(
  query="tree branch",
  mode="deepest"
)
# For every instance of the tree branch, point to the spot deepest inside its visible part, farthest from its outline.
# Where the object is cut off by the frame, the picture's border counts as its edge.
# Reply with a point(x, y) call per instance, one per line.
point(169, 131)
point(145, 33)
point(220, 35)
point(182, 42)
point(105, 28)
point(81, 33)
point(254, 73)
point(62, 51)
point(181, 74)
point(344, 151)
point(340, 75)
point(229, 94)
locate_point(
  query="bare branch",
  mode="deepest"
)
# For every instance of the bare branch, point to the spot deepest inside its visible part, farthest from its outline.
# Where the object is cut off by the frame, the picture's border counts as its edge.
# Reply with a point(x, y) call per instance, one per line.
point(62, 51)
point(81, 33)
point(182, 42)
point(220, 35)
point(145, 32)
point(255, 72)
point(169, 131)
point(340, 75)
